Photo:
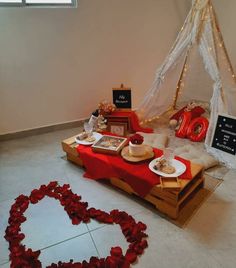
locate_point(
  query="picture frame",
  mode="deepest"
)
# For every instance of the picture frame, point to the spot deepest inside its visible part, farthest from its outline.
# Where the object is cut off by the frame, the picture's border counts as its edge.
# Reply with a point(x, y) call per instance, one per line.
point(119, 119)
point(109, 144)
point(117, 128)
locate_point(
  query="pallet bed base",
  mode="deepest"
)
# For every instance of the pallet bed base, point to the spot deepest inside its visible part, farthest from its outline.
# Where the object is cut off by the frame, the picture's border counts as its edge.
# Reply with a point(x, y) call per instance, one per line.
point(168, 202)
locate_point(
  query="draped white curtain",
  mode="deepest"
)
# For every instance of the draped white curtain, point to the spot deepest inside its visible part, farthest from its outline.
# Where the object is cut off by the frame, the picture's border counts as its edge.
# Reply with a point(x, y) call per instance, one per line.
point(199, 29)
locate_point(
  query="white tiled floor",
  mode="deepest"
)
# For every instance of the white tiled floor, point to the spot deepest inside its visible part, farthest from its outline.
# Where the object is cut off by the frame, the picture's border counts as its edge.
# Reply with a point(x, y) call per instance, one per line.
point(50, 214)
point(108, 235)
point(79, 249)
point(209, 240)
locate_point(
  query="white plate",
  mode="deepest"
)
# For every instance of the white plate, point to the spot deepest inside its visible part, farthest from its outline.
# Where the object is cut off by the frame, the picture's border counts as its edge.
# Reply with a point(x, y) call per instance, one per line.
point(179, 168)
point(96, 135)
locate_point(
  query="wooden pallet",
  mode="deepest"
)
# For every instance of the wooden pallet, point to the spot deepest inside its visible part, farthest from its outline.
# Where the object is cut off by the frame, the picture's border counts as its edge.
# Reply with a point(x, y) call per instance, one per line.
point(169, 202)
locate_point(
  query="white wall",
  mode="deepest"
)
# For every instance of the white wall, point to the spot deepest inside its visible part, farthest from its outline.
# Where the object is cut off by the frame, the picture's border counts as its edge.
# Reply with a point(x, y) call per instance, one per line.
point(57, 64)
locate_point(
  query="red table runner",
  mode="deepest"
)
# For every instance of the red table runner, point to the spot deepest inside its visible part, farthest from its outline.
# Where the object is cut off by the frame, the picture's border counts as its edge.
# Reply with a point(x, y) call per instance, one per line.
point(137, 175)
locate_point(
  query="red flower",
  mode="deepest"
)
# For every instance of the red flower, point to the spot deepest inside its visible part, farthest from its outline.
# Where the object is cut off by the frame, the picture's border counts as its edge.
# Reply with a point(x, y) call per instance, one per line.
point(131, 256)
point(116, 252)
point(111, 262)
point(136, 139)
point(100, 216)
point(36, 195)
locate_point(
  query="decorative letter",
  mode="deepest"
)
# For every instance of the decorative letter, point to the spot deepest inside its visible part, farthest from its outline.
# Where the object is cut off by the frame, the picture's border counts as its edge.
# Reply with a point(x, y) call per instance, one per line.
point(185, 119)
point(197, 129)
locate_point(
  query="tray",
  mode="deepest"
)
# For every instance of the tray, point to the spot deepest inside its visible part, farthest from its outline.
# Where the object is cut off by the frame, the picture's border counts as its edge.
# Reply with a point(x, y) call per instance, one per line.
point(126, 155)
point(109, 144)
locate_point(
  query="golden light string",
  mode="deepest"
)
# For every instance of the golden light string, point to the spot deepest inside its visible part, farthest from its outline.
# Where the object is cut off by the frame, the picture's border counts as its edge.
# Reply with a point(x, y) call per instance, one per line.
point(220, 41)
point(180, 85)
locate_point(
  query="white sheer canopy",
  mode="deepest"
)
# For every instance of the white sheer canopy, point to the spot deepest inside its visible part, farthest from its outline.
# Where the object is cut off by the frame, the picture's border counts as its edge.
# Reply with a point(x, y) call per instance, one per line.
point(200, 29)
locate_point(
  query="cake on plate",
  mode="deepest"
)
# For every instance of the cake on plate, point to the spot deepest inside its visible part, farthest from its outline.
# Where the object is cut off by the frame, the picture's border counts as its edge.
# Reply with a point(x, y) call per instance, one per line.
point(136, 146)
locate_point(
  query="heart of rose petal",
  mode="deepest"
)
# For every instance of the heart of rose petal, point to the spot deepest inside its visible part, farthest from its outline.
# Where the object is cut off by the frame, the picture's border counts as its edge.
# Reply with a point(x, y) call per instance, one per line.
point(78, 212)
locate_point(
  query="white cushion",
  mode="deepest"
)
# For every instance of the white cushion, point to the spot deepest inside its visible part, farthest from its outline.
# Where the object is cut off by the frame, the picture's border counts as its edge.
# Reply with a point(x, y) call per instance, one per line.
point(196, 156)
point(155, 140)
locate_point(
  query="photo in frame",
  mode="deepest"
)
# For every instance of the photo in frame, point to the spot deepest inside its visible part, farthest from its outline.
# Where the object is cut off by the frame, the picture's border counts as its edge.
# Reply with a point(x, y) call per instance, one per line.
point(117, 128)
point(109, 144)
point(119, 119)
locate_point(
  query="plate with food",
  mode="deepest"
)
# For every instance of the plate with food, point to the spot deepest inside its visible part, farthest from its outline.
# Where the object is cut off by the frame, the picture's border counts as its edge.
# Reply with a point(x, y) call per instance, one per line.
point(167, 168)
point(85, 139)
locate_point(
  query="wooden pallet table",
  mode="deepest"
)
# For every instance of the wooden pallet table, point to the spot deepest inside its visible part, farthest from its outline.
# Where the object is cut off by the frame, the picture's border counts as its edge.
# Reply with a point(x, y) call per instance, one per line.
point(169, 202)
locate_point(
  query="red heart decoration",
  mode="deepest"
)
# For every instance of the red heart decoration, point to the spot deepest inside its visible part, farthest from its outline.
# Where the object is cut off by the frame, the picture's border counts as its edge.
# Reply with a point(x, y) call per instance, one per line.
point(78, 212)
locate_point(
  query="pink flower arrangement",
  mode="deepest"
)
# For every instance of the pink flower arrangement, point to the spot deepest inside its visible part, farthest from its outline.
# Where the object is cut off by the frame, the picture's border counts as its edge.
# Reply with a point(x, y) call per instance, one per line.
point(136, 139)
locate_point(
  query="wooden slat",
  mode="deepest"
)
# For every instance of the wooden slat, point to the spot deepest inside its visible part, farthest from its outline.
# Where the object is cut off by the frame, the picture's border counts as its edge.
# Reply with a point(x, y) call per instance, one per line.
point(122, 185)
point(75, 159)
point(69, 146)
point(173, 196)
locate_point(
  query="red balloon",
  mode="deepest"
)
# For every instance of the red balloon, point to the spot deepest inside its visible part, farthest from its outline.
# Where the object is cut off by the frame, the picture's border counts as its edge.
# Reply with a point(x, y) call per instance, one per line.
point(185, 119)
point(197, 129)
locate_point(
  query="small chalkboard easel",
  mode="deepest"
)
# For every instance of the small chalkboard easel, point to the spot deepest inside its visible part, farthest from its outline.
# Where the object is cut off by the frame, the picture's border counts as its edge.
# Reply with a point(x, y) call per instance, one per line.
point(122, 98)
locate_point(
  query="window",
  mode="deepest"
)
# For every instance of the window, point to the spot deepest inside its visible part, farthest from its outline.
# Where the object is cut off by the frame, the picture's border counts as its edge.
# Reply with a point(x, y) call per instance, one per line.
point(31, 3)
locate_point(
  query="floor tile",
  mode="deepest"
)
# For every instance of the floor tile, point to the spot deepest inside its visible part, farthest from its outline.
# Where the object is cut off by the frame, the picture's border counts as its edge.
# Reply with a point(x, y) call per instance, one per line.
point(103, 196)
point(212, 229)
point(208, 241)
point(21, 177)
point(170, 246)
point(93, 225)
point(225, 258)
point(4, 214)
point(78, 249)
point(6, 265)
point(47, 224)
point(107, 237)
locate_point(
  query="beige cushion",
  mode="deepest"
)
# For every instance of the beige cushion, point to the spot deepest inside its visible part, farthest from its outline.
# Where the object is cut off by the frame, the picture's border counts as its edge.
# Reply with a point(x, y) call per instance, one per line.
point(196, 156)
point(155, 140)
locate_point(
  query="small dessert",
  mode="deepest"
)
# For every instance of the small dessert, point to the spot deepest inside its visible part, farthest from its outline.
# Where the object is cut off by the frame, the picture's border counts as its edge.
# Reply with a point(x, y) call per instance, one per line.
point(160, 163)
point(136, 146)
point(168, 169)
point(90, 139)
point(106, 143)
point(163, 165)
point(82, 136)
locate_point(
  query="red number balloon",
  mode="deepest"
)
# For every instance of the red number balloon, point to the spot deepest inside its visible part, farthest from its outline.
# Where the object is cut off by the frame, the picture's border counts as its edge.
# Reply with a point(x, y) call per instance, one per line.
point(185, 119)
point(193, 134)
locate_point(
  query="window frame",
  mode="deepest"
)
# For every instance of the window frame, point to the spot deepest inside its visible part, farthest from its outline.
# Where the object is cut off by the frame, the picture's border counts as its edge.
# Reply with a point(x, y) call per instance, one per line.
point(23, 3)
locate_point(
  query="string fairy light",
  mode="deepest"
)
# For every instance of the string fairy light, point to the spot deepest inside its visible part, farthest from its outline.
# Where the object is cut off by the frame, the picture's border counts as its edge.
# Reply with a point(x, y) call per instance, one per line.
point(219, 42)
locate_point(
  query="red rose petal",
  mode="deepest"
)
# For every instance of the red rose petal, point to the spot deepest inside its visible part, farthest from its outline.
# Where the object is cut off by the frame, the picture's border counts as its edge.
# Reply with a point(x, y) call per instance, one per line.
point(131, 256)
point(116, 251)
point(77, 211)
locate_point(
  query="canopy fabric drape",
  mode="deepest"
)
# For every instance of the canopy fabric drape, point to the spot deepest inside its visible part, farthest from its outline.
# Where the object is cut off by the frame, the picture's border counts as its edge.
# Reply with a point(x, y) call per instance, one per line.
point(200, 29)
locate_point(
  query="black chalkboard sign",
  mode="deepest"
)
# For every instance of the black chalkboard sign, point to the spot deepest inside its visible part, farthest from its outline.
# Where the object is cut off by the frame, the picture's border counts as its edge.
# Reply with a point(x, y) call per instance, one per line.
point(225, 134)
point(122, 97)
